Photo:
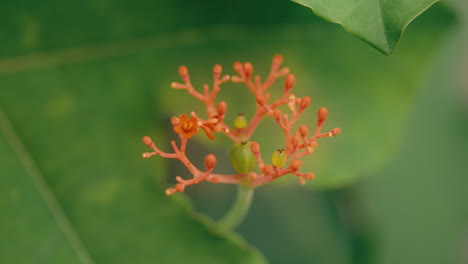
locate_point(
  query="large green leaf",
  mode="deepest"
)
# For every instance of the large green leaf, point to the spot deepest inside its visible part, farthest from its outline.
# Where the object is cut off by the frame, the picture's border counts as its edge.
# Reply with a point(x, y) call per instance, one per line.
point(378, 22)
point(82, 125)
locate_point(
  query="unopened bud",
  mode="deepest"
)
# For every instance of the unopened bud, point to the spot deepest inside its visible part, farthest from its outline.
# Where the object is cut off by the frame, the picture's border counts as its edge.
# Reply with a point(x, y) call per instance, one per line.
point(248, 69)
point(183, 72)
point(174, 121)
point(238, 68)
point(210, 161)
point(147, 140)
point(222, 107)
point(217, 69)
point(296, 164)
point(255, 147)
point(289, 82)
point(310, 175)
point(180, 187)
point(296, 141)
point(267, 169)
point(303, 130)
point(277, 60)
point(322, 115)
point(313, 144)
point(305, 102)
point(277, 114)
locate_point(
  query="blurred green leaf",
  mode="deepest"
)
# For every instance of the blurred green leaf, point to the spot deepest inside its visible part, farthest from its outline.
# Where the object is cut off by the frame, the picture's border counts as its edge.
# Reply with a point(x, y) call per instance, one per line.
point(378, 22)
point(82, 124)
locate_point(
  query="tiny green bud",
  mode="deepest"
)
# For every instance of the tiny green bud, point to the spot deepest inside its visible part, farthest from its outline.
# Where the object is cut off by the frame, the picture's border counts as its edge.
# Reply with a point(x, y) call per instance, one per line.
point(242, 158)
point(240, 121)
point(278, 158)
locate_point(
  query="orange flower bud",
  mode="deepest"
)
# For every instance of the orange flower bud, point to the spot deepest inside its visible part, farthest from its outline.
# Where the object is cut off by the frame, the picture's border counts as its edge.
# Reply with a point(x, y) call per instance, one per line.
point(289, 82)
point(170, 191)
point(295, 164)
point(238, 68)
point(183, 71)
point(147, 140)
point(255, 148)
point(248, 69)
point(180, 187)
point(310, 175)
point(267, 169)
point(222, 108)
point(217, 69)
point(210, 161)
point(303, 130)
point(295, 141)
point(305, 102)
point(322, 115)
point(277, 60)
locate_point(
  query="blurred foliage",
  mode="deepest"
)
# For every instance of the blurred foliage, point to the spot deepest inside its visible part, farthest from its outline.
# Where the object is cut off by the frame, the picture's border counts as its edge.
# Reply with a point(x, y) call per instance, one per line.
point(378, 22)
point(82, 81)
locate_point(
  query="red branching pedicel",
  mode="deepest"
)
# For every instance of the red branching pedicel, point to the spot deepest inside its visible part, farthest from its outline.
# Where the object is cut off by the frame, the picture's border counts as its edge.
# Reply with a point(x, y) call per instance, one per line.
point(297, 143)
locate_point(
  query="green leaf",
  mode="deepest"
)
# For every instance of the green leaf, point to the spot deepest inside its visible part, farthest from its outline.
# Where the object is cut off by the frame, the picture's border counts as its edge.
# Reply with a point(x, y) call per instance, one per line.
point(380, 23)
point(82, 125)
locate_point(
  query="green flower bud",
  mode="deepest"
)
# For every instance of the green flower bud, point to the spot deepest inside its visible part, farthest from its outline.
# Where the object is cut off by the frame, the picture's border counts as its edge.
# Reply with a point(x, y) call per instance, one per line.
point(278, 158)
point(242, 158)
point(240, 121)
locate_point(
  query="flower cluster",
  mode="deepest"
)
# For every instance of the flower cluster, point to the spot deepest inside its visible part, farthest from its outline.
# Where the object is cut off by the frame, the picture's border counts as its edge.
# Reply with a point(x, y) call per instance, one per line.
point(245, 154)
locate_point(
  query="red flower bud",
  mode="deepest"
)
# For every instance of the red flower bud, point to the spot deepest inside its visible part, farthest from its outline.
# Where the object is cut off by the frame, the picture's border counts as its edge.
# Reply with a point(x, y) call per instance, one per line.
point(295, 164)
point(222, 108)
point(303, 130)
point(289, 82)
point(248, 69)
point(217, 69)
point(305, 102)
point(255, 148)
point(322, 115)
point(183, 71)
point(277, 60)
point(210, 161)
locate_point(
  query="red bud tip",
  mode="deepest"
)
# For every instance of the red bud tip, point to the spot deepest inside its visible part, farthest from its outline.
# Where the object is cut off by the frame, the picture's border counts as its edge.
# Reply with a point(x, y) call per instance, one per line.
point(170, 191)
point(147, 140)
point(146, 155)
point(238, 68)
point(210, 161)
point(183, 71)
point(313, 144)
point(289, 81)
point(267, 169)
point(322, 115)
point(248, 69)
point(303, 130)
point(277, 60)
point(295, 165)
point(305, 102)
point(217, 69)
point(336, 131)
point(255, 148)
point(222, 108)
point(180, 187)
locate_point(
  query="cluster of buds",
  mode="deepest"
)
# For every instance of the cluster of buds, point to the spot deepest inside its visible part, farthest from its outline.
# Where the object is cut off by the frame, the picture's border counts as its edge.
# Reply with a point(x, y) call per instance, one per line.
point(245, 154)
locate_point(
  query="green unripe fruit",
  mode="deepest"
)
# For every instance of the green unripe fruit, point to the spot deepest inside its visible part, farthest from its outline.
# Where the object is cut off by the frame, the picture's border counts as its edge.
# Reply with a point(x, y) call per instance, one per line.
point(278, 158)
point(240, 121)
point(242, 158)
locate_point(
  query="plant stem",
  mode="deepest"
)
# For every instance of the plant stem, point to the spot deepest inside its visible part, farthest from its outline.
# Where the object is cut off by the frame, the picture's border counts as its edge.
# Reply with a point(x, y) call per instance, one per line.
point(239, 209)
